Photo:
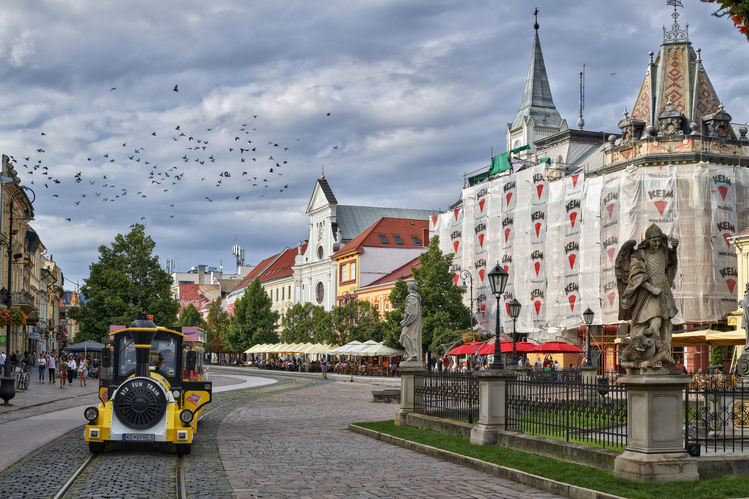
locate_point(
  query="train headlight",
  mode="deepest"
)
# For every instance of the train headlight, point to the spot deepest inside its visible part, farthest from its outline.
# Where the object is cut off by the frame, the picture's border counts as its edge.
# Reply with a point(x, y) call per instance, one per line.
point(175, 394)
point(186, 416)
point(91, 413)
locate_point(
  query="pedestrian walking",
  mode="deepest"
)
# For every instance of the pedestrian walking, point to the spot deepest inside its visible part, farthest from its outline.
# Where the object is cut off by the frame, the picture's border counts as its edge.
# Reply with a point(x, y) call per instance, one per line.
point(72, 366)
point(2, 363)
point(324, 366)
point(51, 365)
point(82, 370)
point(42, 366)
point(63, 370)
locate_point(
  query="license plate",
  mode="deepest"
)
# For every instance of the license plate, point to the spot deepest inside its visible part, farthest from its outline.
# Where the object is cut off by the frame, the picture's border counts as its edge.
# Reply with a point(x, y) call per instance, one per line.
point(139, 437)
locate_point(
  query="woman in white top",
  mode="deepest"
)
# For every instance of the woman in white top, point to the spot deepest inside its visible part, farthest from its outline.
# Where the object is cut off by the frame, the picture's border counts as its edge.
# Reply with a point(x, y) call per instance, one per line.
point(51, 365)
point(42, 363)
point(82, 370)
point(71, 368)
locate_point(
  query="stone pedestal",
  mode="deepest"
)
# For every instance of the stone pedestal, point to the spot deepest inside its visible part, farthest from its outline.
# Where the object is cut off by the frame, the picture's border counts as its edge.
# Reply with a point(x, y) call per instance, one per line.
point(655, 428)
point(589, 373)
point(492, 393)
point(407, 371)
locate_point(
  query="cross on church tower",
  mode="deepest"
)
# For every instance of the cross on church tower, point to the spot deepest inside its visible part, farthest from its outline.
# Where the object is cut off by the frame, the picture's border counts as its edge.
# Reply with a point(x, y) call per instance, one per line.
point(536, 23)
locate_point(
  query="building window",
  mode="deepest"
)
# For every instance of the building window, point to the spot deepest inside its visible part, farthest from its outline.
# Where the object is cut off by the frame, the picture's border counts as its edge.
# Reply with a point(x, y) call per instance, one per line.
point(319, 252)
point(384, 239)
point(344, 273)
point(289, 291)
point(398, 240)
point(416, 240)
point(320, 292)
point(353, 271)
point(282, 293)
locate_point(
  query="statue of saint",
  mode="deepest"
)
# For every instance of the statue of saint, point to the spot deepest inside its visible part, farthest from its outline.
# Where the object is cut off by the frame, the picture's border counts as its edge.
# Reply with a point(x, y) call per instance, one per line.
point(744, 304)
point(411, 325)
point(644, 278)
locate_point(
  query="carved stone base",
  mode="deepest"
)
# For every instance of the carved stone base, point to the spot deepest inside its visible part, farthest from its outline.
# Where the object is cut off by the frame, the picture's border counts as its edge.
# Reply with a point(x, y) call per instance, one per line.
point(407, 371)
point(482, 434)
point(655, 449)
point(663, 371)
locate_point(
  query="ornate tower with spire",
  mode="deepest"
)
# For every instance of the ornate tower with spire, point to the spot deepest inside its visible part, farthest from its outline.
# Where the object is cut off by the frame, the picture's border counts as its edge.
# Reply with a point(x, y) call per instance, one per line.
point(537, 116)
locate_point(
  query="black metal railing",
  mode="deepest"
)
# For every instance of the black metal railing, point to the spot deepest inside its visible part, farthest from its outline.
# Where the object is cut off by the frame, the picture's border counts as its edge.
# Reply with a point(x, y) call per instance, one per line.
point(566, 406)
point(716, 414)
point(447, 395)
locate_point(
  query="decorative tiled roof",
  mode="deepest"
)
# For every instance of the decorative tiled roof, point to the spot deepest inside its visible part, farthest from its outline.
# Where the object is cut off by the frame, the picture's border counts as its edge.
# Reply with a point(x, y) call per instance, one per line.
point(383, 232)
point(281, 267)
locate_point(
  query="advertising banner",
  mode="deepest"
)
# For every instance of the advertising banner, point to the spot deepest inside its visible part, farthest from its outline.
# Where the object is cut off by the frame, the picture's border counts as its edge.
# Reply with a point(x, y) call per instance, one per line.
point(198, 295)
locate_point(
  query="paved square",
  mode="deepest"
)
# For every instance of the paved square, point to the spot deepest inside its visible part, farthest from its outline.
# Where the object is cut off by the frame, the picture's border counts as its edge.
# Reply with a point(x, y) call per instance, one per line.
point(296, 444)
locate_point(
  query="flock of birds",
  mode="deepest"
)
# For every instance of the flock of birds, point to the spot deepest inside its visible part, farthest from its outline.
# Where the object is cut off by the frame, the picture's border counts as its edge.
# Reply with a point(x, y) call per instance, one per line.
point(258, 165)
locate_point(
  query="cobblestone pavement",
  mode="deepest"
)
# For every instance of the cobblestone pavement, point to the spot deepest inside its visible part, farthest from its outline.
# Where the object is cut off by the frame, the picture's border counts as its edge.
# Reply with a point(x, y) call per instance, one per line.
point(296, 444)
point(131, 472)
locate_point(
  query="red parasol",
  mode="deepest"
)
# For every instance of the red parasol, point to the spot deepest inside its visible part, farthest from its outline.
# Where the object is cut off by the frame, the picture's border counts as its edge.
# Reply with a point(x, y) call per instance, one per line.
point(506, 347)
point(466, 348)
point(557, 347)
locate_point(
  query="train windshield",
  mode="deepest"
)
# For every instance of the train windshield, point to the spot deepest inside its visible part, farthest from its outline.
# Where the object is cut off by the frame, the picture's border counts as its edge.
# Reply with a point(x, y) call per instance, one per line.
point(161, 357)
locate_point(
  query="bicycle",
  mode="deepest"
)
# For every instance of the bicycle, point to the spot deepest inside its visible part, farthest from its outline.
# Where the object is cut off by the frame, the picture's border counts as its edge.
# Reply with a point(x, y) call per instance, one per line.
point(22, 378)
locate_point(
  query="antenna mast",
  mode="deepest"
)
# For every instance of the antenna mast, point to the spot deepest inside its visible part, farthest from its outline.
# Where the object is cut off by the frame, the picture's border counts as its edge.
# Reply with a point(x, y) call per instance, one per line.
point(580, 120)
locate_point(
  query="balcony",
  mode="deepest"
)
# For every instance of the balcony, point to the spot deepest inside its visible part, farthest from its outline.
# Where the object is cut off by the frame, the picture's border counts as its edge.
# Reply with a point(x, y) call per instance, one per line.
point(24, 301)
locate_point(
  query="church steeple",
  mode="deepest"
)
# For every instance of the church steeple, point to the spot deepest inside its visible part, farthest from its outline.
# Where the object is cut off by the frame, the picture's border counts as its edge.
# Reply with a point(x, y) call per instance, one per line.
point(537, 116)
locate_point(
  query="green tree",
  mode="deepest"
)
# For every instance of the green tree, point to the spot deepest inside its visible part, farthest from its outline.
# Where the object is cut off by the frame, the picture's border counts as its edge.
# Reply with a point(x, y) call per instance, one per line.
point(299, 323)
point(716, 356)
point(217, 322)
point(442, 305)
point(113, 281)
point(253, 321)
point(189, 317)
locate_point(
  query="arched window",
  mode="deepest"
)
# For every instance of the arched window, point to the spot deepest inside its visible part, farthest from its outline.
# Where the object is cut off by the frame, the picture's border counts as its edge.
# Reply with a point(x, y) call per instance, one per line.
point(320, 292)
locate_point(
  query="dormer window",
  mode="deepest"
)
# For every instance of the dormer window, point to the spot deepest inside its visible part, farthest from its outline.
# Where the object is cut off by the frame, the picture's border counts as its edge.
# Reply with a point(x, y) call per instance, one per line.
point(384, 239)
point(398, 240)
point(416, 240)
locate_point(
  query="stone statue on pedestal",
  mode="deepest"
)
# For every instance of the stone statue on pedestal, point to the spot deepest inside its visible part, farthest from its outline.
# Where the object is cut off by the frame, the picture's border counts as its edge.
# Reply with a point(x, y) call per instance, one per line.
point(411, 325)
point(644, 278)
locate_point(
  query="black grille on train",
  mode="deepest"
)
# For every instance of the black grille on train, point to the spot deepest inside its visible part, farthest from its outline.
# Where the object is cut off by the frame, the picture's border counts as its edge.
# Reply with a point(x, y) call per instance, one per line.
point(140, 403)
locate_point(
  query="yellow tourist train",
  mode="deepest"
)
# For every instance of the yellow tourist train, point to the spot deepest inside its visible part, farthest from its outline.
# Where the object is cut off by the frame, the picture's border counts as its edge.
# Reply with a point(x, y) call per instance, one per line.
point(156, 387)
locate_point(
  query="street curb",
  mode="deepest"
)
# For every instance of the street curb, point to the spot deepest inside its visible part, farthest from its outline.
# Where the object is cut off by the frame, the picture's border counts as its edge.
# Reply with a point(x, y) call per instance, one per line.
point(539, 482)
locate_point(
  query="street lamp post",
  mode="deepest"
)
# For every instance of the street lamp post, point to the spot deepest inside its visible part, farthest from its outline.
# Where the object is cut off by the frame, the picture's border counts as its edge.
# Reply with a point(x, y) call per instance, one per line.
point(588, 318)
point(498, 280)
point(466, 274)
point(7, 388)
point(347, 298)
point(514, 307)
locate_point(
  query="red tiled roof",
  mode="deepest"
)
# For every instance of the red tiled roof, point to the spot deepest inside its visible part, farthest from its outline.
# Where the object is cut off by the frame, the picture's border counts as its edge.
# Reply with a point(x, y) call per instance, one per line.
point(282, 266)
point(744, 232)
point(259, 268)
point(401, 273)
point(405, 228)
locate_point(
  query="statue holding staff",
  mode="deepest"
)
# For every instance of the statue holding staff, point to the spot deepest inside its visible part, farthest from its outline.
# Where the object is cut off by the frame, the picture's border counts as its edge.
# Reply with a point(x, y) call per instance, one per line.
point(411, 325)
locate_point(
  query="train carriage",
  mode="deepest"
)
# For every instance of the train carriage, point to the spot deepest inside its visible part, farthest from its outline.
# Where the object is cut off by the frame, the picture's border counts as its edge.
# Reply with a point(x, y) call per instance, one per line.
point(152, 394)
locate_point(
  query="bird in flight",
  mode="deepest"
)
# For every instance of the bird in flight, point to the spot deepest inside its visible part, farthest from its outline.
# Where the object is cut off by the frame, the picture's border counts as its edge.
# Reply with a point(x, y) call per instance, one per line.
point(113, 88)
point(175, 88)
point(209, 199)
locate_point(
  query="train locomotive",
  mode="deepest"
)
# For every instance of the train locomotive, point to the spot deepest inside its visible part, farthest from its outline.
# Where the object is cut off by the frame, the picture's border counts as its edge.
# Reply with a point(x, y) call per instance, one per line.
point(152, 394)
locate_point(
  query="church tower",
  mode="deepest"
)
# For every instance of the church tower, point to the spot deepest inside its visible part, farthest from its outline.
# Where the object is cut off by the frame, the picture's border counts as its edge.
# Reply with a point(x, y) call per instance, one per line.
point(537, 117)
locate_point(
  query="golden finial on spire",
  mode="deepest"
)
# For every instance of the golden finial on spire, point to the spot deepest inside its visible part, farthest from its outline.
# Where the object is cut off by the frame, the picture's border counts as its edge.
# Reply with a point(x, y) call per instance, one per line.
point(323, 172)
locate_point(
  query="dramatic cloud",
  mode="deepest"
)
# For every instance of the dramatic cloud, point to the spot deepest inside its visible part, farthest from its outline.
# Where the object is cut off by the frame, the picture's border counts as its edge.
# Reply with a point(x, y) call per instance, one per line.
point(419, 94)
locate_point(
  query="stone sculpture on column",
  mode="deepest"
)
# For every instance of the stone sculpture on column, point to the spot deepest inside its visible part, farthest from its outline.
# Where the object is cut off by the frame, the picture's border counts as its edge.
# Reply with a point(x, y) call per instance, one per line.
point(411, 325)
point(644, 278)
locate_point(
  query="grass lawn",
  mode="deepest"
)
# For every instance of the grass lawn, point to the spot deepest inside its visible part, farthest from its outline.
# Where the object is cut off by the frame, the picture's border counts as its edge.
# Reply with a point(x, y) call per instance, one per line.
point(574, 474)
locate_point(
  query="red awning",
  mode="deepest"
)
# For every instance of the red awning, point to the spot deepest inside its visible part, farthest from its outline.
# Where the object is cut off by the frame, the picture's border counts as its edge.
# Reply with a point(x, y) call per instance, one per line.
point(557, 347)
point(466, 348)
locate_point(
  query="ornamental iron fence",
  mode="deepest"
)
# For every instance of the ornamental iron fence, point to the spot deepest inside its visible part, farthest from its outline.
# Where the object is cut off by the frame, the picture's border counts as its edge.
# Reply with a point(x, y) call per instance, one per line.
point(716, 414)
point(567, 406)
point(447, 395)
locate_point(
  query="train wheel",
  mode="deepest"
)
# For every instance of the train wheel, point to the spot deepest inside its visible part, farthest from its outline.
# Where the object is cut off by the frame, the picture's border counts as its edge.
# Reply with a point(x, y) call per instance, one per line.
point(96, 447)
point(184, 448)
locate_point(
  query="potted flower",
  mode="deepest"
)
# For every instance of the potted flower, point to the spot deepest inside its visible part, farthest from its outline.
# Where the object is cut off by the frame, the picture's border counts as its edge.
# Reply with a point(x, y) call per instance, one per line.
point(12, 317)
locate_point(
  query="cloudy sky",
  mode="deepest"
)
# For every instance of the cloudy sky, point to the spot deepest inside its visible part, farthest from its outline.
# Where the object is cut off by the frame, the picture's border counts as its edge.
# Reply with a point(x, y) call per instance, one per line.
point(419, 92)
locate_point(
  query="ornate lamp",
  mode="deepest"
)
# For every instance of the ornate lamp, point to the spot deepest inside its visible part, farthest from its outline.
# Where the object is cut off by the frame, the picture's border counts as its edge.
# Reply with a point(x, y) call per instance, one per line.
point(497, 280)
point(588, 318)
point(514, 307)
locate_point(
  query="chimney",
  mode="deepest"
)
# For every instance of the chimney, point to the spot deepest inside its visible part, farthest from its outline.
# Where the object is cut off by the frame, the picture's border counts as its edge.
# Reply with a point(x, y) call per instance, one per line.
point(425, 236)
